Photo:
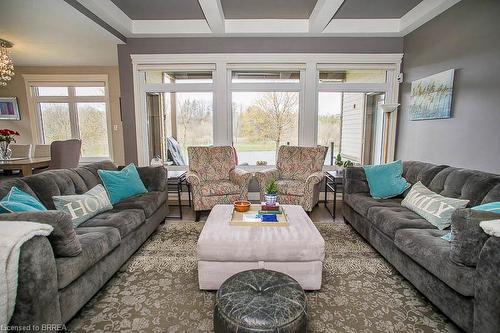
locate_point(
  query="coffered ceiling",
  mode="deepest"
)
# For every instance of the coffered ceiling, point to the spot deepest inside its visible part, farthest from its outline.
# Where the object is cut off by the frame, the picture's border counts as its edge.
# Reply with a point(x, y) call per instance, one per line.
point(174, 18)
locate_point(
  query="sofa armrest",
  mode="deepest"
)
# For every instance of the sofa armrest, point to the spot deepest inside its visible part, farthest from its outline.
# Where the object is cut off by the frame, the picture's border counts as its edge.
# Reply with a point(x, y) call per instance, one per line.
point(355, 181)
point(468, 237)
point(265, 176)
point(487, 288)
point(240, 177)
point(314, 178)
point(154, 178)
point(193, 178)
point(63, 238)
point(37, 300)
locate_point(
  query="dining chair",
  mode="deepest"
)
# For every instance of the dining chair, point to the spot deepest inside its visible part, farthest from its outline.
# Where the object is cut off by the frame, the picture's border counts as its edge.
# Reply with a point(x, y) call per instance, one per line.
point(64, 155)
point(20, 151)
point(40, 151)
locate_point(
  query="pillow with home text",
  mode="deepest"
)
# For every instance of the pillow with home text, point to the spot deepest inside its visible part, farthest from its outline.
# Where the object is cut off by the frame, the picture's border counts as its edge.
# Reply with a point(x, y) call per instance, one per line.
point(431, 206)
point(82, 207)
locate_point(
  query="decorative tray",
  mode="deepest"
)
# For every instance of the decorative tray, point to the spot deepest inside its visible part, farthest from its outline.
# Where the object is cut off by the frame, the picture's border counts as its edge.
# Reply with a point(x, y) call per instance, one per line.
point(250, 219)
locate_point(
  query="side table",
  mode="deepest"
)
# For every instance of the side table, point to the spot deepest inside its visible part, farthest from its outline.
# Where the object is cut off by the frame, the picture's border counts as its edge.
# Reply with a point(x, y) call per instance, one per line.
point(332, 183)
point(175, 181)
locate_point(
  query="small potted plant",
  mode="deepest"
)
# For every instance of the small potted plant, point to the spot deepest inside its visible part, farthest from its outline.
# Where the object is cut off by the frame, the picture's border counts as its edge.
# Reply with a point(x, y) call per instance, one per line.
point(342, 164)
point(271, 194)
point(6, 138)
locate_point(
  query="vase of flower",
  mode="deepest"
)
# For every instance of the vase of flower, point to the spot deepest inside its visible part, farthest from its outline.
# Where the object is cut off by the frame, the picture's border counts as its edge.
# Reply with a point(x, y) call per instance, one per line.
point(271, 195)
point(6, 138)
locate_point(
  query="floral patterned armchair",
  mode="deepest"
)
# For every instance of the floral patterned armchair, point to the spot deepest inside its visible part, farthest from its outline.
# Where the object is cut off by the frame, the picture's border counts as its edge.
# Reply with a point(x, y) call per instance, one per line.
point(214, 178)
point(298, 175)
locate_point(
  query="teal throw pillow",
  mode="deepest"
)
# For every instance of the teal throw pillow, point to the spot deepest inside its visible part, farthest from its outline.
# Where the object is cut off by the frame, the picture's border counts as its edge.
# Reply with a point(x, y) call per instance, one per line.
point(17, 201)
point(122, 184)
point(493, 207)
point(386, 180)
point(82, 207)
point(431, 206)
point(447, 237)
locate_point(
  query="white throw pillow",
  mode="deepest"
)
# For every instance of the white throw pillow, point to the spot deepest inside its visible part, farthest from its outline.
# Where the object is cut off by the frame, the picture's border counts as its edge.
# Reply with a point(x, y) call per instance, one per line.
point(82, 207)
point(431, 206)
point(491, 227)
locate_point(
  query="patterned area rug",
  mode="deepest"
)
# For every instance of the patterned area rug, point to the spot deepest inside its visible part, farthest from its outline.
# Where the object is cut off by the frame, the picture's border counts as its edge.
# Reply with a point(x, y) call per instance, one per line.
point(157, 290)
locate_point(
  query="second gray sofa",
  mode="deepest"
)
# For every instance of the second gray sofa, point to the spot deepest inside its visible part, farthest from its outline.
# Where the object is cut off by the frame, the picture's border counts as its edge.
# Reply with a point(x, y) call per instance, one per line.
point(58, 274)
point(461, 277)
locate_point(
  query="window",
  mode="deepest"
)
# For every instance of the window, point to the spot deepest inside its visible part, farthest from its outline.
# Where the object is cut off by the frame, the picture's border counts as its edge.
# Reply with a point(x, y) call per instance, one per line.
point(265, 113)
point(257, 102)
point(180, 106)
point(76, 109)
point(353, 76)
point(349, 117)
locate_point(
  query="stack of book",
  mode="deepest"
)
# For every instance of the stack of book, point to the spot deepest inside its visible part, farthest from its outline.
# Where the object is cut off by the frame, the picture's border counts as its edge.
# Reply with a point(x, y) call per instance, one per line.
point(272, 209)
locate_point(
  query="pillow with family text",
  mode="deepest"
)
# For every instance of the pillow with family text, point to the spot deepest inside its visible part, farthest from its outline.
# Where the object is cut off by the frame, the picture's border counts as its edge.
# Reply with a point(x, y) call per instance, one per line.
point(431, 206)
point(82, 207)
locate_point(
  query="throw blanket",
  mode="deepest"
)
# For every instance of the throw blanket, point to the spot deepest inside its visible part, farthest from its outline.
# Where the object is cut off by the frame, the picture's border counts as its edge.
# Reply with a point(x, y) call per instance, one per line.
point(491, 227)
point(12, 236)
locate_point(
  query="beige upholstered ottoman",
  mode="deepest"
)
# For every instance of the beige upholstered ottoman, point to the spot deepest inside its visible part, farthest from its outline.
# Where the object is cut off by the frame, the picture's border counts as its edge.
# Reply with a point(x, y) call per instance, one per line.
point(224, 250)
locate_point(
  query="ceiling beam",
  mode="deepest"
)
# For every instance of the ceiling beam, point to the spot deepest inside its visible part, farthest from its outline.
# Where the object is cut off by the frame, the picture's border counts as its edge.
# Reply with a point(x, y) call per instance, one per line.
point(362, 28)
point(266, 26)
point(214, 15)
point(322, 14)
point(107, 11)
point(164, 28)
point(422, 13)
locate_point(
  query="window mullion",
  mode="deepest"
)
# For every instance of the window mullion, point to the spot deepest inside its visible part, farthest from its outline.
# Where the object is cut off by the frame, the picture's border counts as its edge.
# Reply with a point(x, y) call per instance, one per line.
point(73, 114)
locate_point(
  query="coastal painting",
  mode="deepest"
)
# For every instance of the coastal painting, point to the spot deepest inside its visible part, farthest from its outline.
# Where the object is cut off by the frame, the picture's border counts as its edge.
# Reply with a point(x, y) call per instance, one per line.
point(431, 96)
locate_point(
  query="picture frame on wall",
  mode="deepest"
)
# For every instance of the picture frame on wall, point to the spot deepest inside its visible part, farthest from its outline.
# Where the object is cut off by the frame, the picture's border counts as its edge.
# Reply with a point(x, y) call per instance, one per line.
point(9, 109)
point(431, 97)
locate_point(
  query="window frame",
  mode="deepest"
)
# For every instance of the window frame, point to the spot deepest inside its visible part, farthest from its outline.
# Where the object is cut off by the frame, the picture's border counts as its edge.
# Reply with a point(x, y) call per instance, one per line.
point(221, 62)
point(349, 87)
point(188, 87)
point(266, 87)
point(69, 81)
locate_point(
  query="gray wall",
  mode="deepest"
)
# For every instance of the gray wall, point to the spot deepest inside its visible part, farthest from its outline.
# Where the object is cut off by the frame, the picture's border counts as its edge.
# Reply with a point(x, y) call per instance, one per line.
point(465, 37)
point(230, 45)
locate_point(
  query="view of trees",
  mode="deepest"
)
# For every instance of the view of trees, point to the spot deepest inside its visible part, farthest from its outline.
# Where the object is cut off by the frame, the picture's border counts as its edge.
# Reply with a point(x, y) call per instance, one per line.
point(92, 125)
point(194, 122)
point(268, 121)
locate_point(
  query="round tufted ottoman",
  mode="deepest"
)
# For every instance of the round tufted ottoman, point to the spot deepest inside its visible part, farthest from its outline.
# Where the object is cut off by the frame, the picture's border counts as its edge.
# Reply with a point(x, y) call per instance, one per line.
point(261, 301)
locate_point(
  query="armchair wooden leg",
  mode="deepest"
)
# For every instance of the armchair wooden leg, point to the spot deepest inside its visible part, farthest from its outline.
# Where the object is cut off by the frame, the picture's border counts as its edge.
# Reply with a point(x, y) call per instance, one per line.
point(197, 214)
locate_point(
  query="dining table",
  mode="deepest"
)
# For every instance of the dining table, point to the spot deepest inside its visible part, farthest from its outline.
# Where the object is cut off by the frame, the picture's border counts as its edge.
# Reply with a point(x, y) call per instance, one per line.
point(26, 165)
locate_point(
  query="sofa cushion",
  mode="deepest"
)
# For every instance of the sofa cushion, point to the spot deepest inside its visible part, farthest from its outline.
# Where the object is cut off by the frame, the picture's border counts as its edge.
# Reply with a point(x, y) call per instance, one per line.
point(125, 220)
point(428, 249)
point(386, 180)
point(122, 184)
point(435, 208)
point(468, 237)
point(96, 243)
point(391, 219)
point(149, 202)
point(82, 207)
point(363, 201)
point(219, 187)
point(291, 187)
point(62, 239)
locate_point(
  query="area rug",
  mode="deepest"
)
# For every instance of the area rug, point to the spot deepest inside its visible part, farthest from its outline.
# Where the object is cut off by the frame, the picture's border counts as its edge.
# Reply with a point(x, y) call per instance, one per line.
point(157, 290)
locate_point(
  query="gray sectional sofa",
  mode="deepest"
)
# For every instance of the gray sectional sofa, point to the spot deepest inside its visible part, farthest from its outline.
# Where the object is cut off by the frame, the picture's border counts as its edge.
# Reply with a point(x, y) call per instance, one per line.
point(461, 277)
point(58, 274)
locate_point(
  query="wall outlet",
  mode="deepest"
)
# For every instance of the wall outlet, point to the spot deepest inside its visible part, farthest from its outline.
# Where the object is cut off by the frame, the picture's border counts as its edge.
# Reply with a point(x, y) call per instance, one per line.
point(115, 127)
point(399, 78)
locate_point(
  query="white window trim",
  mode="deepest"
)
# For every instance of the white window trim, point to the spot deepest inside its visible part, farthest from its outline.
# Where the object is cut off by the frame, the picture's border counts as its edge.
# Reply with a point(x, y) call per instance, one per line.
point(222, 116)
point(33, 80)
